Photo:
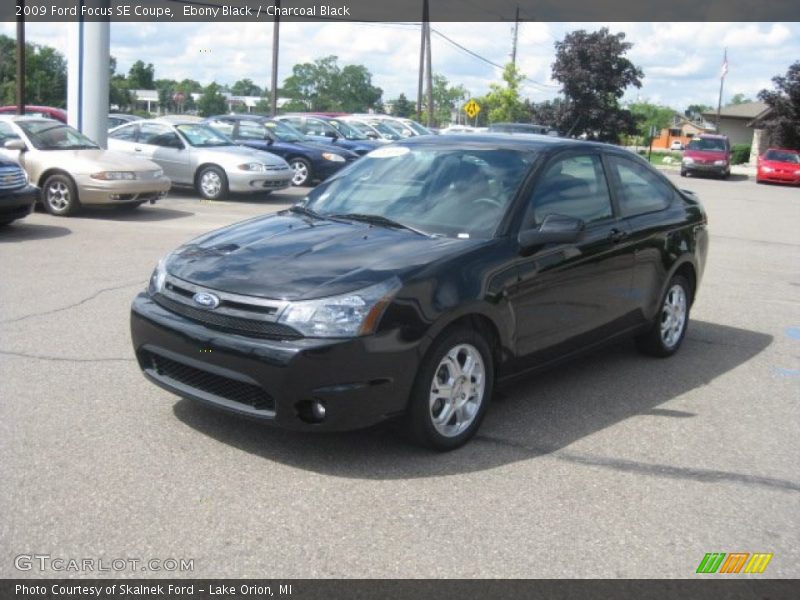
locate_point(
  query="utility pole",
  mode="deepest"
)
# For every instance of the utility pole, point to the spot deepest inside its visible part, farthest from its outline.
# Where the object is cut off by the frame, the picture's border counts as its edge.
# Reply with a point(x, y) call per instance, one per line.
point(21, 59)
point(276, 26)
point(516, 34)
point(421, 60)
point(428, 64)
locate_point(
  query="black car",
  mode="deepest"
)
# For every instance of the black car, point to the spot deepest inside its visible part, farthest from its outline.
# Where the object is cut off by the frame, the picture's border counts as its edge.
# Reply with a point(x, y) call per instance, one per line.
point(415, 279)
point(331, 130)
point(17, 196)
point(311, 161)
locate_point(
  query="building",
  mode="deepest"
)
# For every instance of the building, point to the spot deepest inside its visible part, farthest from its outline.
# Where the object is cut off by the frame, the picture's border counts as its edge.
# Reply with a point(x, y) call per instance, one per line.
point(734, 121)
point(681, 129)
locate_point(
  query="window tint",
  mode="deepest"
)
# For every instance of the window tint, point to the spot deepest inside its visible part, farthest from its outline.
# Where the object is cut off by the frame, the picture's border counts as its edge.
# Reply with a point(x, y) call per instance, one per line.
point(642, 191)
point(157, 135)
point(575, 187)
point(7, 134)
point(127, 134)
point(315, 127)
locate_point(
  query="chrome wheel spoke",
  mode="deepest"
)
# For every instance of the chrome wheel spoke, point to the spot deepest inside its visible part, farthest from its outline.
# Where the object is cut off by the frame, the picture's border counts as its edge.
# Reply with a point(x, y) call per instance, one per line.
point(673, 316)
point(457, 390)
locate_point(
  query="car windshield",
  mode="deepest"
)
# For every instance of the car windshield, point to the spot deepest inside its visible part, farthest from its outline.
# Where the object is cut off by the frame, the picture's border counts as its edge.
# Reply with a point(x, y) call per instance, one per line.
point(447, 191)
point(783, 156)
point(386, 130)
point(202, 136)
point(52, 135)
point(349, 133)
point(707, 145)
point(419, 129)
point(284, 132)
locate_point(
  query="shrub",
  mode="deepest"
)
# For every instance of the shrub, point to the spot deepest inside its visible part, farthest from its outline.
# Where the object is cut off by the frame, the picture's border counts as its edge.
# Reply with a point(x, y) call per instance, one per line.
point(740, 154)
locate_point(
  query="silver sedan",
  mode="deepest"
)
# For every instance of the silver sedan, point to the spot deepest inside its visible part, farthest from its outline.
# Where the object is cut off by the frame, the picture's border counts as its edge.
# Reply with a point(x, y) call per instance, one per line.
point(196, 155)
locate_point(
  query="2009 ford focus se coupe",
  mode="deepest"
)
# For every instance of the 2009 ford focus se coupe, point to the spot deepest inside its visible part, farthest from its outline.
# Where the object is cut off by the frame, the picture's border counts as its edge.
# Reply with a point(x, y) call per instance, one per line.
point(418, 277)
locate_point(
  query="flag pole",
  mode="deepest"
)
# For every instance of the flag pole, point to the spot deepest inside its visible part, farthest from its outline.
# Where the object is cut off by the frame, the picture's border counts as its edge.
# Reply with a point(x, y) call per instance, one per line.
point(721, 82)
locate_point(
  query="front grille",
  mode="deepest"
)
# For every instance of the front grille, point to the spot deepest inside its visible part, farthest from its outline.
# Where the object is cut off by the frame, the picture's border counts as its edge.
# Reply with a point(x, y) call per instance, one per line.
point(210, 383)
point(251, 327)
point(12, 178)
point(277, 184)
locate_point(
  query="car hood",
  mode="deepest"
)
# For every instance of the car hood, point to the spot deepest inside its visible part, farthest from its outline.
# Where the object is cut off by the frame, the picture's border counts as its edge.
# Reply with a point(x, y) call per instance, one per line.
point(82, 162)
point(232, 155)
point(706, 154)
point(289, 257)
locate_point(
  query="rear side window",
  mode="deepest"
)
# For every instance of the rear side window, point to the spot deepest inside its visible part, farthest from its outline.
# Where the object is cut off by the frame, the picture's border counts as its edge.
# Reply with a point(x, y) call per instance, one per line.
point(158, 135)
point(641, 190)
point(574, 186)
point(7, 134)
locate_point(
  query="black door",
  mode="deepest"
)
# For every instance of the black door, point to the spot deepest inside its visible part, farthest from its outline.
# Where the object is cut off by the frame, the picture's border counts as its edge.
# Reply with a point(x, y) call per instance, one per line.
point(569, 295)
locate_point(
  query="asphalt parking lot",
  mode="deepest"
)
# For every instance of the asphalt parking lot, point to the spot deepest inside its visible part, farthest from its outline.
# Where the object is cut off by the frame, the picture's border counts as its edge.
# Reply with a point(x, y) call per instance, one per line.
point(615, 465)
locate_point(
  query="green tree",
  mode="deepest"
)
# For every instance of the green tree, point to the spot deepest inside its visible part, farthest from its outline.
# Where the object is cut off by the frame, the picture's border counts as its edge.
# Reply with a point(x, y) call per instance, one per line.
point(141, 76)
point(246, 87)
point(402, 107)
point(695, 111)
point(324, 86)
point(551, 113)
point(649, 115)
point(594, 74)
point(212, 102)
point(45, 74)
point(783, 120)
point(503, 103)
point(739, 99)
point(446, 99)
point(166, 89)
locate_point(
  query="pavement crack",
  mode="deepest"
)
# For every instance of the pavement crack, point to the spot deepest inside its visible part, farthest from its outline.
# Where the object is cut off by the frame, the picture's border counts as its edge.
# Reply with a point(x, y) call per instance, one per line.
point(73, 305)
point(66, 358)
point(650, 469)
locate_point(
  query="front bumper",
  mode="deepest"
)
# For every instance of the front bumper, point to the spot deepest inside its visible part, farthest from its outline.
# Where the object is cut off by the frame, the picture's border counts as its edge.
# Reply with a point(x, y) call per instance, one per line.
point(250, 181)
point(706, 168)
point(16, 204)
point(778, 177)
point(95, 191)
point(360, 381)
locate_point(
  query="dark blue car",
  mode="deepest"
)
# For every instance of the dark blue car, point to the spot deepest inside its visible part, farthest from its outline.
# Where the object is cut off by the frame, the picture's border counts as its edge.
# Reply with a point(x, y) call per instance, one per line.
point(310, 160)
point(332, 131)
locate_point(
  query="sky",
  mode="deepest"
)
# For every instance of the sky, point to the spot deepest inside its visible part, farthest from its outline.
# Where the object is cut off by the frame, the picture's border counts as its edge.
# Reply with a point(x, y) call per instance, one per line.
point(681, 61)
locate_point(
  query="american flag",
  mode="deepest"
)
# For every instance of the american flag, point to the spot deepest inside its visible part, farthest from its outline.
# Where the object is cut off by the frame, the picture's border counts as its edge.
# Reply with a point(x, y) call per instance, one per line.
point(724, 65)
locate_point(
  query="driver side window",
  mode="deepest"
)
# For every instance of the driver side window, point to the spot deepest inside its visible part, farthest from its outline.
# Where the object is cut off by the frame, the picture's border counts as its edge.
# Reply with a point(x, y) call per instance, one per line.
point(574, 186)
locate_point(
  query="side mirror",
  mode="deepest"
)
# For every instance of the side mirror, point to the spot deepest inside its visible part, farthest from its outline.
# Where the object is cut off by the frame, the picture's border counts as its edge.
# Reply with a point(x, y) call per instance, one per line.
point(558, 229)
point(17, 144)
point(331, 134)
point(372, 135)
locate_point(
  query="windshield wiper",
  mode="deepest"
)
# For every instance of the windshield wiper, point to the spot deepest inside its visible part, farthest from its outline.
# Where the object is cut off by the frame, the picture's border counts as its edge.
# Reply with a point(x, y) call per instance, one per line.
point(304, 210)
point(378, 220)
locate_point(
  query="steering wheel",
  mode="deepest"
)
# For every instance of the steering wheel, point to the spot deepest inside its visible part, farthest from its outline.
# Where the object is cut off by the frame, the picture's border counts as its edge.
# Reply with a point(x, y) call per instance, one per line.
point(486, 200)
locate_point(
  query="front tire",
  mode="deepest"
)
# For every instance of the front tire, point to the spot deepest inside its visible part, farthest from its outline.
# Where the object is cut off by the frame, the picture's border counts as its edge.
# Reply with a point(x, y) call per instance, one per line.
point(302, 171)
point(212, 183)
point(59, 195)
point(669, 326)
point(452, 391)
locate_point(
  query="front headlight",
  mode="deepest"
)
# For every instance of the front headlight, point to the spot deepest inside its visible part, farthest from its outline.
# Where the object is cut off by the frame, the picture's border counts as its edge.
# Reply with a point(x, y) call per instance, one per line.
point(114, 175)
point(797, 172)
point(156, 285)
point(257, 167)
point(687, 160)
point(719, 163)
point(333, 157)
point(767, 169)
point(349, 315)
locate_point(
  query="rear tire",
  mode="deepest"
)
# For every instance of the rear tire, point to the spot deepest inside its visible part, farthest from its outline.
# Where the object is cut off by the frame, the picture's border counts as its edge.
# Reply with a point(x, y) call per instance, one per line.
point(669, 327)
point(59, 195)
point(452, 390)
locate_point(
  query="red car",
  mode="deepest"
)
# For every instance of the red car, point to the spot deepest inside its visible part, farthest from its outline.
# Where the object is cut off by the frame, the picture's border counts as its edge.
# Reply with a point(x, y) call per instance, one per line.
point(31, 110)
point(779, 166)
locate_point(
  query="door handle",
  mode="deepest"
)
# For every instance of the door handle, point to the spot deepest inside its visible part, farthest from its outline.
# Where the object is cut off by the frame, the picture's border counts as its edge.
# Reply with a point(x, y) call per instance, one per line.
point(137, 149)
point(617, 235)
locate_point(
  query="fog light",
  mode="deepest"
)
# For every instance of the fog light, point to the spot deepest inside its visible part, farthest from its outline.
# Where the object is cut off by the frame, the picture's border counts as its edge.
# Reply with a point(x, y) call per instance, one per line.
point(311, 411)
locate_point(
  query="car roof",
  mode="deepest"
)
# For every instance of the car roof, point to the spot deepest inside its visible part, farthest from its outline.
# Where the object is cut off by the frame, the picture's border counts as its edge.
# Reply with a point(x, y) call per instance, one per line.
point(517, 141)
point(6, 117)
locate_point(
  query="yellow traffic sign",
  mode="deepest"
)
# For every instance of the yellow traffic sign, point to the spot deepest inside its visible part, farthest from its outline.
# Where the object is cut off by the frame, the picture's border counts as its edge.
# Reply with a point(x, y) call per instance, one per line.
point(472, 108)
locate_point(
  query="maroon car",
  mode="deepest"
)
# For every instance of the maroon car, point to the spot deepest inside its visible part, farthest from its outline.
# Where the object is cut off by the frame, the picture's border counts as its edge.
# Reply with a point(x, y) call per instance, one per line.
point(706, 153)
point(779, 166)
point(31, 110)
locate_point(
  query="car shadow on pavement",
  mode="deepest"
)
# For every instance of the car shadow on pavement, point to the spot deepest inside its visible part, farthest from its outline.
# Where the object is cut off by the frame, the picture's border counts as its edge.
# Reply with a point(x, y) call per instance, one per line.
point(144, 213)
point(538, 416)
point(23, 231)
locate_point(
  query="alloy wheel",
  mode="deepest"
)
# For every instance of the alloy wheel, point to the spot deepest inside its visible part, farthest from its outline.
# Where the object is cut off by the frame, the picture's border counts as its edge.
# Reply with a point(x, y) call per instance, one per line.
point(457, 390)
point(673, 316)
